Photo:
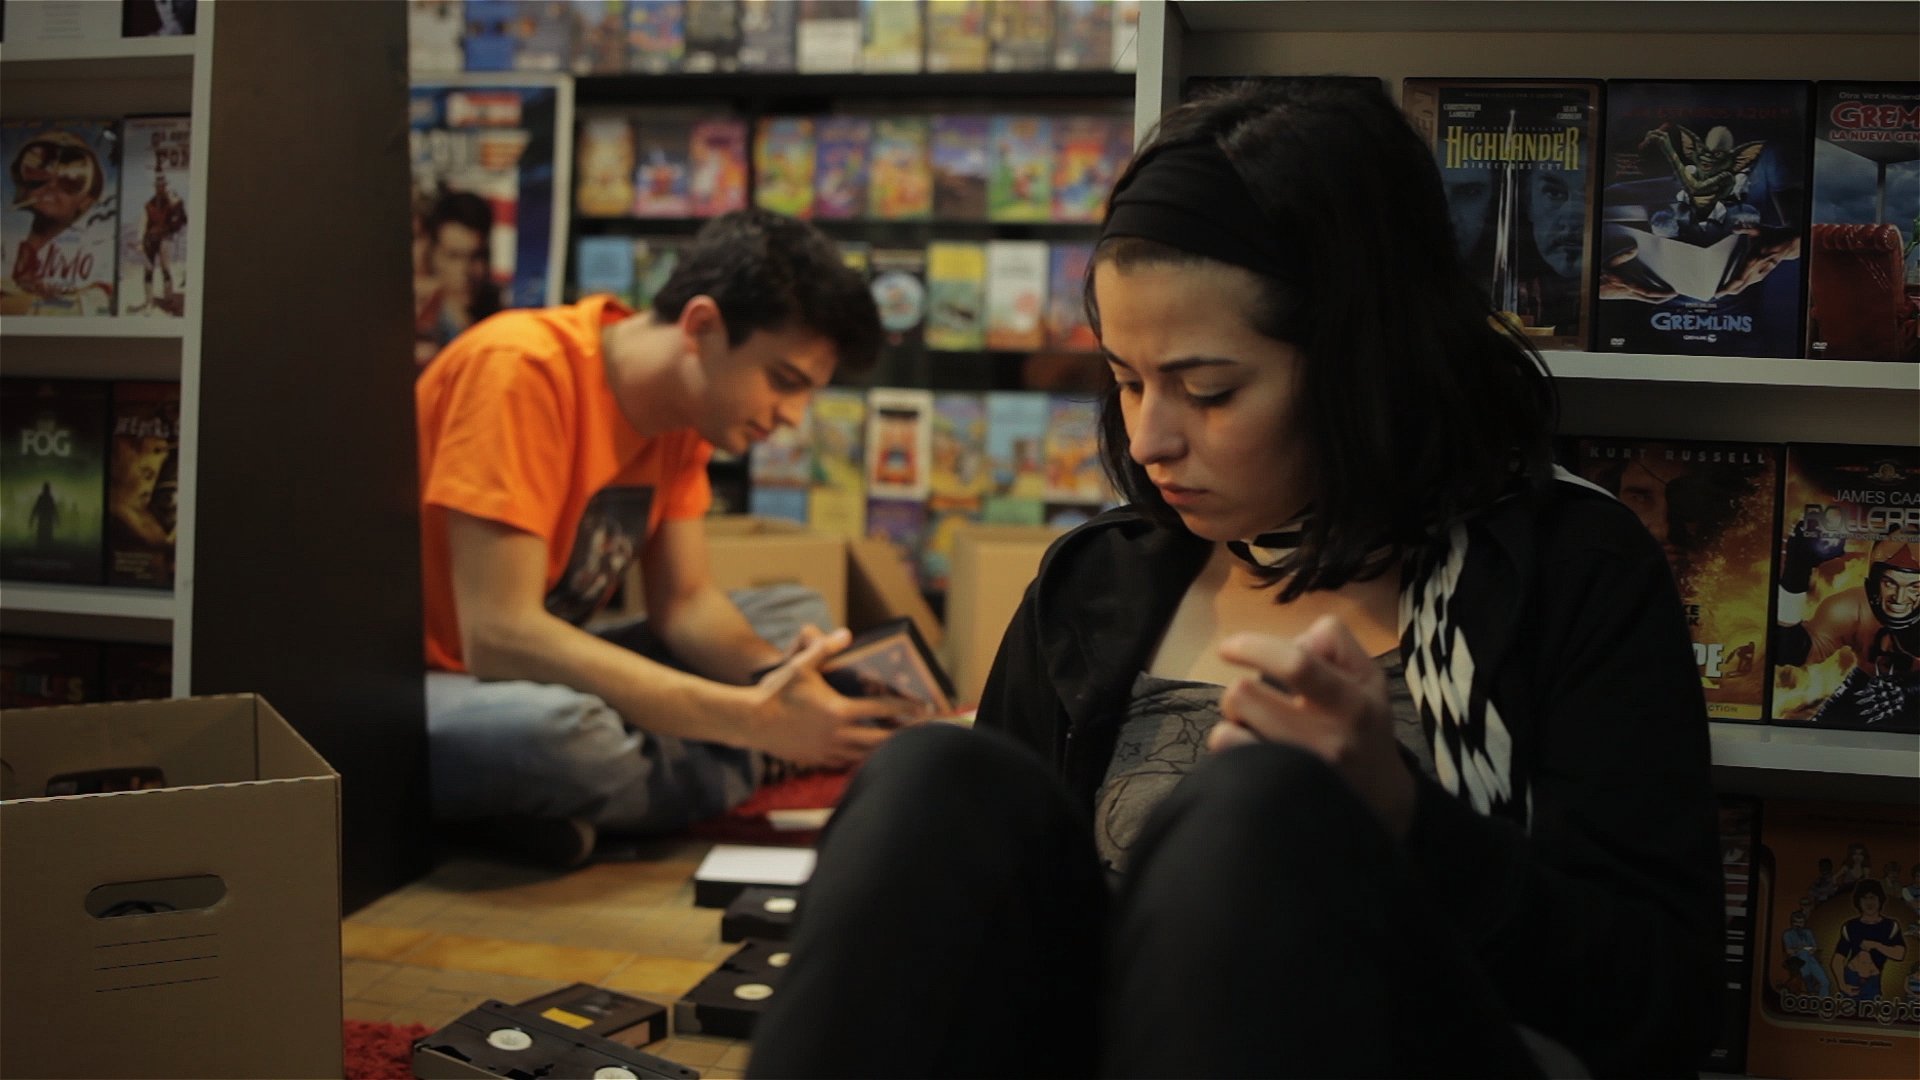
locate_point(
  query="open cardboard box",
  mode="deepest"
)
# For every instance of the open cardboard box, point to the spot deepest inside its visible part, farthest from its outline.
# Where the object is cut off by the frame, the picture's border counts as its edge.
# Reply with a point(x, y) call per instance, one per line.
point(185, 929)
point(866, 581)
point(992, 566)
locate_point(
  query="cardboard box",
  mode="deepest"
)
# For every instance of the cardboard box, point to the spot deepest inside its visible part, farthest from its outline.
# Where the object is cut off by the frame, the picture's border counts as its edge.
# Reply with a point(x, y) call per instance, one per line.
point(744, 552)
point(866, 581)
point(747, 552)
point(881, 588)
point(190, 929)
point(992, 566)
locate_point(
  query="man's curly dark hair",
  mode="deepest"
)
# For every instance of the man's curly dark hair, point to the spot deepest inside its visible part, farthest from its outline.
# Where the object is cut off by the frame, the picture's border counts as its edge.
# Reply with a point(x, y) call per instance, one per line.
point(770, 272)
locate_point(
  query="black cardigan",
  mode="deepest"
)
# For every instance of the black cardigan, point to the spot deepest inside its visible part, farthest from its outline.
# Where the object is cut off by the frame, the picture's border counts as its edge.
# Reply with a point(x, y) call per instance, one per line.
point(1598, 908)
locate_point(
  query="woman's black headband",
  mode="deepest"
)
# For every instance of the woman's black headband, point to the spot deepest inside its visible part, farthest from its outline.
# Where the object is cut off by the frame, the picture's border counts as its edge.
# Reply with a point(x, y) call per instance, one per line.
point(1189, 197)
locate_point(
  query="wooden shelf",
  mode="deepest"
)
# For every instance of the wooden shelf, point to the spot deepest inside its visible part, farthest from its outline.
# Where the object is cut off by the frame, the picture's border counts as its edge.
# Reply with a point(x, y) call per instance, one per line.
point(87, 600)
point(94, 326)
point(1734, 370)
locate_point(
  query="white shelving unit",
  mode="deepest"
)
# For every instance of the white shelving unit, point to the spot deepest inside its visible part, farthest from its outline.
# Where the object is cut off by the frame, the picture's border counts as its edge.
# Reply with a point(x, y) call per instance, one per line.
point(298, 543)
point(1771, 400)
point(93, 326)
point(90, 600)
point(115, 79)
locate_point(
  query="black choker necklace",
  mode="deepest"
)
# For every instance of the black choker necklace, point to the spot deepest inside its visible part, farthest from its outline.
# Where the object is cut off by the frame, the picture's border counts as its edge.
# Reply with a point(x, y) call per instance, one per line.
point(1269, 549)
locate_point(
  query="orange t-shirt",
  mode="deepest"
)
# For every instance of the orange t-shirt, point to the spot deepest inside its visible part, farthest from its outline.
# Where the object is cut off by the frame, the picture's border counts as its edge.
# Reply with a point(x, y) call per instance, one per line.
point(519, 426)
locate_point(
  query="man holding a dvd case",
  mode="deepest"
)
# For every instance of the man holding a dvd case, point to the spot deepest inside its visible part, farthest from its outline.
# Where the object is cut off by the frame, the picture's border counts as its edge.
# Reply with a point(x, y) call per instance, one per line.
point(557, 446)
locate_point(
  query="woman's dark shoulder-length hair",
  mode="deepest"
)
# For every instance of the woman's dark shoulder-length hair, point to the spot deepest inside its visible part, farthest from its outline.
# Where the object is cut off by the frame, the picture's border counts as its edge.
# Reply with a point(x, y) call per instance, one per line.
point(1420, 405)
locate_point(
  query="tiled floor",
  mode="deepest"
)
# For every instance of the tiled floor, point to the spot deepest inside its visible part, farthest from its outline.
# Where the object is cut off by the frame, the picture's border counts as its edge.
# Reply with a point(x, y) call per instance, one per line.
point(474, 930)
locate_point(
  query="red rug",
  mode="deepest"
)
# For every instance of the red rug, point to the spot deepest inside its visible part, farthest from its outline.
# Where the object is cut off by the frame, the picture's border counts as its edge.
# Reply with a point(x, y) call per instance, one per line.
point(377, 1051)
point(747, 823)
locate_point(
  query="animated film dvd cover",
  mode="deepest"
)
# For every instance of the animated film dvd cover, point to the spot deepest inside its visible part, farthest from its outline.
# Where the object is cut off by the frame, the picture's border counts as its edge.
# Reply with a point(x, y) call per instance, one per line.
point(837, 489)
point(956, 296)
point(1703, 217)
point(1020, 35)
point(604, 167)
point(901, 184)
point(783, 165)
point(1846, 644)
point(891, 36)
point(599, 37)
point(1517, 163)
point(1090, 152)
point(1074, 472)
point(899, 444)
point(767, 35)
point(1016, 294)
point(1863, 262)
point(663, 173)
point(1021, 184)
point(961, 165)
point(1067, 327)
point(718, 183)
point(1016, 443)
point(154, 188)
point(827, 36)
point(956, 35)
point(1711, 507)
point(1083, 35)
point(960, 471)
point(656, 35)
point(1836, 977)
point(59, 216)
point(840, 167)
point(899, 287)
point(713, 36)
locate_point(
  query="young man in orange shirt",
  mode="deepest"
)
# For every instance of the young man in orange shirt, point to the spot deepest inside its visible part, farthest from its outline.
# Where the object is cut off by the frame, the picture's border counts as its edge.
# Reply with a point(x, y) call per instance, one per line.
point(559, 444)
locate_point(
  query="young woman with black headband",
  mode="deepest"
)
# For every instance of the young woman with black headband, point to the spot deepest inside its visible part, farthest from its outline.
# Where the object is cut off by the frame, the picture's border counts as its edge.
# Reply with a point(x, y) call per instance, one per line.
point(1362, 741)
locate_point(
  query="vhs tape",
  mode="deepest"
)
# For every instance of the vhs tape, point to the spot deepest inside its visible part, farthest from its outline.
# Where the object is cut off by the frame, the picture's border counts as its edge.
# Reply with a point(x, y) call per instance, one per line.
point(760, 913)
point(595, 1010)
point(728, 1003)
point(501, 1040)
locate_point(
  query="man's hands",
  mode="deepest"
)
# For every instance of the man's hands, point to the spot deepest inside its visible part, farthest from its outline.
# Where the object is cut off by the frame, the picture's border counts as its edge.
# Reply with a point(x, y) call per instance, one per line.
point(793, 714)
point(1337, 708)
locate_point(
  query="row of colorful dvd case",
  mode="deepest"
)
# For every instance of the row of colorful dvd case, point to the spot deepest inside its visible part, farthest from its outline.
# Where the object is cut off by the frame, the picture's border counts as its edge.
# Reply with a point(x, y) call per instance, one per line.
point(93, 217)
point(1822, 948)
point(1798, 568)
point(610, 37)
point(949, 296)
point(89, 481)
point(949, 168)
point(42, 671)
point(1708, 218)
point(913, 465)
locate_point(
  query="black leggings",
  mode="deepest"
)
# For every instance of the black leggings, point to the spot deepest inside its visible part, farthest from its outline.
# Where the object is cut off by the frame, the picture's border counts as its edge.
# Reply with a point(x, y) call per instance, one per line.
point(958, 924)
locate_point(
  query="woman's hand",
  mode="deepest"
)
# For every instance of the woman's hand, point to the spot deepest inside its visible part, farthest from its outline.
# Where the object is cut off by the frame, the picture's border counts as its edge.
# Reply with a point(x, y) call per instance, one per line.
point(1334, 705)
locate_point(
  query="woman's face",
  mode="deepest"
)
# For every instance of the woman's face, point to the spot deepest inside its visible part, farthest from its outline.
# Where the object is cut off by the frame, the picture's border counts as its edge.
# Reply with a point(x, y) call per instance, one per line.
point(1208, 400)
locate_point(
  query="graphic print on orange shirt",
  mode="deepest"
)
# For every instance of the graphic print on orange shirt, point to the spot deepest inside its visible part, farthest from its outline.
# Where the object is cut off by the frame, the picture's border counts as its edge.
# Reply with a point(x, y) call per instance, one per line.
point(611, 531)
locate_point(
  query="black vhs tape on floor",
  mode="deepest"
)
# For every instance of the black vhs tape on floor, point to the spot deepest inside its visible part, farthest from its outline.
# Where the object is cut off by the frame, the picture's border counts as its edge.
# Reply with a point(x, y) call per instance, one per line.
point(760, 913)
point(504, 1040)
point(729, 1002)
point(595, 1010)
